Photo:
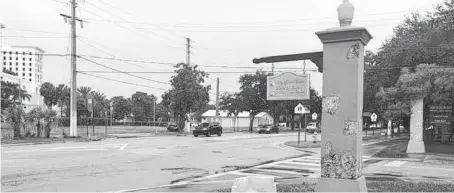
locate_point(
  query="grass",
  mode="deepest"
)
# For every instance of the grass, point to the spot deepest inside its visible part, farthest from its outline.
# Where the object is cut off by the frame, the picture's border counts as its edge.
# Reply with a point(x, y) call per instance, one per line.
point(372, 186)
point(394, 151)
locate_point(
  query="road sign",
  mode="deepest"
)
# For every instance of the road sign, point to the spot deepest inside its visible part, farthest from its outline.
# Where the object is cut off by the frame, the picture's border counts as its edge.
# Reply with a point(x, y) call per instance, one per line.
point(90, 105)
point(314, 116)
point(373, 117)
point(288, 86)
point(300, 109)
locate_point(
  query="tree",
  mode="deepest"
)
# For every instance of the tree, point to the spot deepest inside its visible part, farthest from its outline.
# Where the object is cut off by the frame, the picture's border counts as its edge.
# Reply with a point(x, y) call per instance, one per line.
point(11, 94)
point(142, 106)
point(48, 91)
point(434, 84)
point(253, 94)
point(187, 93)
point(14, 115)
point(9, 72)
point(121, 107)
point(232, 104)
point(83, 93)
point(63, 98)
point(101, 103)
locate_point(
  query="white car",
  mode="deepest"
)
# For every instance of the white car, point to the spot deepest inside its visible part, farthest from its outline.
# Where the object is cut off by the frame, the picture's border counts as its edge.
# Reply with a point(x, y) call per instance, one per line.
point(313, 127)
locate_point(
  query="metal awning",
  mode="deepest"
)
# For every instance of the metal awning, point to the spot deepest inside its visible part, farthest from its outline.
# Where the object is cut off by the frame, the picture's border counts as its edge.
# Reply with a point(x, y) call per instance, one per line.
point(315, 57)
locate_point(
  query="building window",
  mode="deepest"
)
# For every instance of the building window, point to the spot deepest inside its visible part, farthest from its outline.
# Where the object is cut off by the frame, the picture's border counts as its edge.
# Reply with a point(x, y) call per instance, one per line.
point(30, 53)
point(17, 58)
point(30, 79)
point(17, 53)
point(10, 69)
point(23, 53)
point(30, 59)
point(23, 64)
point(4, 57)
point(10, 52)
point(29, 74)
point(30, 69)
point(23, 69)
point(17, 63)
point(10, 58)
point(23, 74)
point(23, 58)
point(4, 63)
point(17, 69)
point(10, 63)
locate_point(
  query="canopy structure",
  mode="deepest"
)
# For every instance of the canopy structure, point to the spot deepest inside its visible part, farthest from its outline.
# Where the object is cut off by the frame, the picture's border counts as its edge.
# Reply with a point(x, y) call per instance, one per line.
point(315, 57)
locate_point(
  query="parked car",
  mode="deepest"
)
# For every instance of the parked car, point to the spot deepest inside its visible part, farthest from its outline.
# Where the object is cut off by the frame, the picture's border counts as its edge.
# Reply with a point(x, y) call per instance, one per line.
point(268, 129)
point(208, 129)
point(172, 127)
point(313, 127)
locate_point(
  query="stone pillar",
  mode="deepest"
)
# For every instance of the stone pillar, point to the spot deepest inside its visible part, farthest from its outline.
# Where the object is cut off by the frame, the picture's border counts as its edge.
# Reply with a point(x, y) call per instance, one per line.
point(343, 74)
point(416, 143)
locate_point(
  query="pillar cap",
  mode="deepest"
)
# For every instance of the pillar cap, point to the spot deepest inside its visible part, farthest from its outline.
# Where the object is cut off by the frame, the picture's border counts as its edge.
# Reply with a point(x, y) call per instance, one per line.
point(343, 34)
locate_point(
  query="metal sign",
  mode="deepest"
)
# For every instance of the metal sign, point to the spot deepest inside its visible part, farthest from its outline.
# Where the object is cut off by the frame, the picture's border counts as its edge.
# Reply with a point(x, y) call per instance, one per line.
point(300, 109)
point(288, 86)
point(314, 116)
point(373, 117)
point(90, 104)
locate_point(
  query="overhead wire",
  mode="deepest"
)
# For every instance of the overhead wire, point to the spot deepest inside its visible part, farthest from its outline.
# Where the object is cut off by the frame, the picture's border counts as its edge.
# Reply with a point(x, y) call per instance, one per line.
point(123, 72)
point(121, 81)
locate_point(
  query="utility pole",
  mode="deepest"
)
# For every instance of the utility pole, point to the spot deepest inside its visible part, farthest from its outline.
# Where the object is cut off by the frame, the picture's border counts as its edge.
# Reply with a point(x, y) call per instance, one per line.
point(217, 99)
point(188, 51)
point(73, 100)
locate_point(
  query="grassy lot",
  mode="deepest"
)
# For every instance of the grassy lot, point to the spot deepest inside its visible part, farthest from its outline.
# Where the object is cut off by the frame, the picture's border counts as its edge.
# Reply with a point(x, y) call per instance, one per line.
point(373, 186)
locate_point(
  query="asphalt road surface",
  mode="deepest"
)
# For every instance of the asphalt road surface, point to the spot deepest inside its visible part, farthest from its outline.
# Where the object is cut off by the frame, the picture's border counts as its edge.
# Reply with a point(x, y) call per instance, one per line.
point(119, 164)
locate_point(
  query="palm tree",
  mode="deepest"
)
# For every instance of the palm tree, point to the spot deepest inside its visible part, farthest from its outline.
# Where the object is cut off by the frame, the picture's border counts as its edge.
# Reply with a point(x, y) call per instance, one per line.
point(12, 91)
point(101, 102)
point(84, 91)
point(14, 115)
point(63, 96)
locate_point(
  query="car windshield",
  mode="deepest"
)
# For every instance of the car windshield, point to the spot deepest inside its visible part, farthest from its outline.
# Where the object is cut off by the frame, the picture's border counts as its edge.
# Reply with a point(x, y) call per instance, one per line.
point(205, 124)
point(172, 124)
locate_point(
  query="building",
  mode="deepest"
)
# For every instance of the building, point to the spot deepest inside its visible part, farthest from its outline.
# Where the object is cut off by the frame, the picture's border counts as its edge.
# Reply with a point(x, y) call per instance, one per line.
point(242, 120)
point(27, 63)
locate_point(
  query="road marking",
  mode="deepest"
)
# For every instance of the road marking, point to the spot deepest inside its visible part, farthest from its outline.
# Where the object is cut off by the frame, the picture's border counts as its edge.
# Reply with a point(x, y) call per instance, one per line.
point(124, 146)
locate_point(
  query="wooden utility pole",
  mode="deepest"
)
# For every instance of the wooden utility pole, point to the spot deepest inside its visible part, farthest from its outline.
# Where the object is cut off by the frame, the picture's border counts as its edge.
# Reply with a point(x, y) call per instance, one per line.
point(73, 99)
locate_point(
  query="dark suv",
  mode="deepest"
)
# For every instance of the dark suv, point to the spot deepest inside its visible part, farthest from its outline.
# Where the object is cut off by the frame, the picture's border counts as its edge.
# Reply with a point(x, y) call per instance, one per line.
point(208, 129)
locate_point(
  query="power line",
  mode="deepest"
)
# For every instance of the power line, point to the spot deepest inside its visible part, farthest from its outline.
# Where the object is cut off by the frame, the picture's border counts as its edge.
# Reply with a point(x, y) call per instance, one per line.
point(36, 37)
point(89, 44)
point(36, 31)
point(122, 81)
point(127, 73)
point(267, 22)
point(172, 46)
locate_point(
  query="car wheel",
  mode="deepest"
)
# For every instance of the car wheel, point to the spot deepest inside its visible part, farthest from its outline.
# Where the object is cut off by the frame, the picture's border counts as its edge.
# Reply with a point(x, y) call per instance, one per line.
point(219, 133)
point(208, 134)
point(277, 131)
point(196, 135)
point(269, 132)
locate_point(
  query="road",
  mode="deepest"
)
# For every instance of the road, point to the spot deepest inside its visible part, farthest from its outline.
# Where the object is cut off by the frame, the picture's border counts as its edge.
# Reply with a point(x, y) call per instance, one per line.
point(119, 164)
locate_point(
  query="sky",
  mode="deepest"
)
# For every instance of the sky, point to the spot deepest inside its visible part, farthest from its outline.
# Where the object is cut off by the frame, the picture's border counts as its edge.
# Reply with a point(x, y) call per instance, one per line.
point(225, 36)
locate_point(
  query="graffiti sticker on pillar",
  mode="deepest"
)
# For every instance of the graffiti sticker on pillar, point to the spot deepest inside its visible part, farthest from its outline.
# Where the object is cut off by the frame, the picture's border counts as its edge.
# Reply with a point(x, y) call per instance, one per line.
point(353, 52)
point(350, 127)
point(339, 164)
point(330, 104)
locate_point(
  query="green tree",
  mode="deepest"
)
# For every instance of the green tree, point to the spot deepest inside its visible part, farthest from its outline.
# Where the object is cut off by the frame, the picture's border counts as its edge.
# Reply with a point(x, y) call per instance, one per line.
point(232, 104)
point(11, 94)
point(187, 93)
point(142, 106)
point(82, 95)
point(63, 98)
point(253, 94)
point(49, 93)
point(14, 115)
point(121, 107)
point(434, 84)
point(101, 103)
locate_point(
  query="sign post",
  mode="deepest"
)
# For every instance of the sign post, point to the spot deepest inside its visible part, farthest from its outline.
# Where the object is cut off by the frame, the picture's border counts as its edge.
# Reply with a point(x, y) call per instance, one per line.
point(373, 118)
point(301, 110)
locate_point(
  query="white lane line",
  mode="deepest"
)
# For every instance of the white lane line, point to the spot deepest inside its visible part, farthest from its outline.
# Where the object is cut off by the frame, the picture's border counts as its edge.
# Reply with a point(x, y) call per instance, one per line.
point(124, 146)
